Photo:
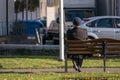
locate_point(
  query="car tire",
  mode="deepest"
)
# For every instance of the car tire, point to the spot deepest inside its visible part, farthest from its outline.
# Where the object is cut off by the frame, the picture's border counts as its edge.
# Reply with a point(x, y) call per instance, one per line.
point(90, 38)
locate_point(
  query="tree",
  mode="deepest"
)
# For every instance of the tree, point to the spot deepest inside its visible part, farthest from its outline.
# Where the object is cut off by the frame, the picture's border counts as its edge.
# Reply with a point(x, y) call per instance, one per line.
point(20, 5)
point(17, 7)
point(33, 4)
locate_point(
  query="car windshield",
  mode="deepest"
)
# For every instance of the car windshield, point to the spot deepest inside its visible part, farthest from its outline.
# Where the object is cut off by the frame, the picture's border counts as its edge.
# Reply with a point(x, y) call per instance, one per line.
point(43, 21)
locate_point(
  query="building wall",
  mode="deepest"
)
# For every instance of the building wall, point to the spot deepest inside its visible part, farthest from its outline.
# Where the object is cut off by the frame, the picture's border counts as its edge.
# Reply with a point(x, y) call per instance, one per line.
point(3, 15)
point(109, 7)
point(10, 10)
point(101, 10)
point(43, 9)
point(118, 7)
point(52, 11)
point(79, 3)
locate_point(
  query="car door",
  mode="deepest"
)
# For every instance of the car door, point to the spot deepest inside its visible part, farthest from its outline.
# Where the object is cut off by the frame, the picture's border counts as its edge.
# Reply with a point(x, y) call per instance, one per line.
point(117, 29)
point(104, 28)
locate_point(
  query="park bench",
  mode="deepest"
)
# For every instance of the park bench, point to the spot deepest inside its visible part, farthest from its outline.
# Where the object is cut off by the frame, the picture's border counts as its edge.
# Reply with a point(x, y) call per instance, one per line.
point(103, 46)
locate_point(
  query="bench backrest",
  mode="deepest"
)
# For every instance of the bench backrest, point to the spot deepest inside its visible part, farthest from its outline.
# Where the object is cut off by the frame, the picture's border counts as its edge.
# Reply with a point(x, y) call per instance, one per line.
point(112, 46)
point(101, 46)
point(83, 47)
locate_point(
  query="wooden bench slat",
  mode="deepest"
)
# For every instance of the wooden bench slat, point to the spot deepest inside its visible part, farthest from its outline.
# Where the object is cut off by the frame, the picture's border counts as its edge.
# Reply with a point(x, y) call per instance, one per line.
point(84, 45)
point(94, 40)
point(113, 44)
point(113, 52)
point(113, 49)
point(80, 49)
point(77, 52)
point(85, 49)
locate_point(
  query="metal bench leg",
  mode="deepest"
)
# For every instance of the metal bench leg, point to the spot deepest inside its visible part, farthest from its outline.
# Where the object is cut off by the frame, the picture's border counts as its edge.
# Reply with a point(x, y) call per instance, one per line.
point(104, 54)
point(104, 63)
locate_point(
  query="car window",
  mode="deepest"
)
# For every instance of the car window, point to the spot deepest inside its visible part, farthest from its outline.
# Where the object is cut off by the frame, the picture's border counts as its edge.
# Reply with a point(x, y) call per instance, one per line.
point(41, 25)
point(91, 24)
point(105, 23)
point(117, 22)
point(44, 22)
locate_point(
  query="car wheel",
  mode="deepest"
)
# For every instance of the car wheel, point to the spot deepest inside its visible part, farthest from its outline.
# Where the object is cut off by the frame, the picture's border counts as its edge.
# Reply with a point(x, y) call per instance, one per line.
point(90, 38)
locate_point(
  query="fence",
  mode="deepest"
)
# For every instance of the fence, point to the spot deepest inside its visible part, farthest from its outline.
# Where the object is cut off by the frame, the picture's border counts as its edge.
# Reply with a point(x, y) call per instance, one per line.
point(17, 33)
point(3, 28)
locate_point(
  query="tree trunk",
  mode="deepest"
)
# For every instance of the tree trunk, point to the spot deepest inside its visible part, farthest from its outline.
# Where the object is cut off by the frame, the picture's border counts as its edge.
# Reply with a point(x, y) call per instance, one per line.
point(23, 15)
point(31, 15)
point(16, 16)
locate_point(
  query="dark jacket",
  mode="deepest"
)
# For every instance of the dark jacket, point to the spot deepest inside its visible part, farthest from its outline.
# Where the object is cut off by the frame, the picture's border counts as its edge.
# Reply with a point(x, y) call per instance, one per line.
point(77, 33)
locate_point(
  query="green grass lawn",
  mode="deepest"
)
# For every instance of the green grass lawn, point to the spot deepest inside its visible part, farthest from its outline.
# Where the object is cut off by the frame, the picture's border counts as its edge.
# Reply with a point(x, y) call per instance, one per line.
point(59, 76)
point(30, 62)
point(51, 62)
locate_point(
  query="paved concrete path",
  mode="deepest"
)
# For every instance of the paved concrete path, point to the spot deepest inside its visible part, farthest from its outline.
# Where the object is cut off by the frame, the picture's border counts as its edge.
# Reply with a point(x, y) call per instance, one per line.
point(60, 70)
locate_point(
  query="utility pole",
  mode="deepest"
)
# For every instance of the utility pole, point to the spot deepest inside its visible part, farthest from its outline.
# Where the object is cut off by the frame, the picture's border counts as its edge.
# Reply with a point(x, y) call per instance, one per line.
point(7, 16)
point(61, 31)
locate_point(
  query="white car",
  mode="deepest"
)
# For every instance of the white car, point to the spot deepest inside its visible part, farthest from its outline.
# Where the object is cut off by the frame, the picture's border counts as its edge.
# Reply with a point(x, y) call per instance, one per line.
point(103, 27)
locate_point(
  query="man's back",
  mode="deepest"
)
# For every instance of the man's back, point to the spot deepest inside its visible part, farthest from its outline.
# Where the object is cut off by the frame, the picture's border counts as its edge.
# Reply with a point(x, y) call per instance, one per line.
point(77, 34)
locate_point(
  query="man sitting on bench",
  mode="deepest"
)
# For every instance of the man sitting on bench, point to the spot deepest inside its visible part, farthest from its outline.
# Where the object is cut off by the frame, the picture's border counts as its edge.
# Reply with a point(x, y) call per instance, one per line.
point(77, 33)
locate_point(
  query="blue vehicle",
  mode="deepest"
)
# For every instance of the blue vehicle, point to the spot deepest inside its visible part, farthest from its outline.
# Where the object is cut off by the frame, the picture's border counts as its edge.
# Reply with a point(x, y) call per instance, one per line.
point(43, 21)
point(31, 25)
point(27, 27)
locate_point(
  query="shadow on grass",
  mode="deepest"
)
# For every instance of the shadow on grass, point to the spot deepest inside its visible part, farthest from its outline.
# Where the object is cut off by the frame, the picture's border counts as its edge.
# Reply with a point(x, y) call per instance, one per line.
point(16, 72)
point(1, 66)
point(22, 51)
point(31, 57)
